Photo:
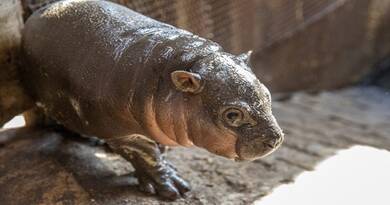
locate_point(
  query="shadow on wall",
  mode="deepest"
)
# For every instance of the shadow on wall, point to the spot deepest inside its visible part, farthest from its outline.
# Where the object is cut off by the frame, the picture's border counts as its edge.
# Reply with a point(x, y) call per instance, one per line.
point(336, 50)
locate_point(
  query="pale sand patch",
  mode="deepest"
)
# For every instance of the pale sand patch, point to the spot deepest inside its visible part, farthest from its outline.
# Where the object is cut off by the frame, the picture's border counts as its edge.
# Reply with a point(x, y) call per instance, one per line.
point(359, 176)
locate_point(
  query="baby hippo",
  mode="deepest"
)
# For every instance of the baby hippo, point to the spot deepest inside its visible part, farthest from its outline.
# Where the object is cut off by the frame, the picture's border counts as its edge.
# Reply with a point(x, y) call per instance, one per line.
point(101, 69)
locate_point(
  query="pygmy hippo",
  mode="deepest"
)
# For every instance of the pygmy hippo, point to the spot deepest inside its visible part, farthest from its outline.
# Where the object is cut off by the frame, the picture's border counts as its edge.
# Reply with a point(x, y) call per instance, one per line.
point(101, 69)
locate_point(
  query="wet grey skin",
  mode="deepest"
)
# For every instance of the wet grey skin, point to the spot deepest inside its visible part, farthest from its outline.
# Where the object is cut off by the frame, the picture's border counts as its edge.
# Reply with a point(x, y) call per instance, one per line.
point(103, 70)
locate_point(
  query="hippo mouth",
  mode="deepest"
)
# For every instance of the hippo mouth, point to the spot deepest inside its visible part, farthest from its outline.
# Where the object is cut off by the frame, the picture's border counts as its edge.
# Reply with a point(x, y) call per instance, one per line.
point(255, 149)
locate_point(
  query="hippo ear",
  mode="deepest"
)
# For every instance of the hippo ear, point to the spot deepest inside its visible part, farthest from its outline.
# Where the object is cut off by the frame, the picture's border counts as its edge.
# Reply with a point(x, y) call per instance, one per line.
point(246, 57)
point(186, 81)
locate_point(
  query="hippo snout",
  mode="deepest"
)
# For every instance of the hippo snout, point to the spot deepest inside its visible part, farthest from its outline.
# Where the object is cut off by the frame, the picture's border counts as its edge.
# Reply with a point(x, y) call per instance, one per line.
point(258, 146)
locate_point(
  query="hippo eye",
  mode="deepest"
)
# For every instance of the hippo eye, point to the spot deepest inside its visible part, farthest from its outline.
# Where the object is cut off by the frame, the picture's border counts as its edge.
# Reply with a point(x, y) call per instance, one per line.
point(233, 117)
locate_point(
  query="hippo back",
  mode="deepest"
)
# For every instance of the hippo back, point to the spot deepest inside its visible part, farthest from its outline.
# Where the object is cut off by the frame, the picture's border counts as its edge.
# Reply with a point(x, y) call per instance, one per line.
point(92, 64)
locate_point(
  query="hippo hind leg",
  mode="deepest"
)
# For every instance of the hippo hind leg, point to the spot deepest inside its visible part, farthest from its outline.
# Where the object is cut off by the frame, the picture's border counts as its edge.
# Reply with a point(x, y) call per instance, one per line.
point(155, 175)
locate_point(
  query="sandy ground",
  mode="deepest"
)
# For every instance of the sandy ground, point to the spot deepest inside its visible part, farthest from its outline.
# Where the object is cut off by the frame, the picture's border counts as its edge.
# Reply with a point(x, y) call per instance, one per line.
point(42, 167)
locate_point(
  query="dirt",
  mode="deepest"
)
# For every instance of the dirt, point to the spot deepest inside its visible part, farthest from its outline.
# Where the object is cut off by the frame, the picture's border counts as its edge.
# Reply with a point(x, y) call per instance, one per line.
point(44, 167)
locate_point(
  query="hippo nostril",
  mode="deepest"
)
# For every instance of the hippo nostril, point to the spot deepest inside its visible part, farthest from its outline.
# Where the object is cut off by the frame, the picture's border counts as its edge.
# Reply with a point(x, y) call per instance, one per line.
point(258, 146)
point(271, 146)
point(274, 142)
point(271, 143)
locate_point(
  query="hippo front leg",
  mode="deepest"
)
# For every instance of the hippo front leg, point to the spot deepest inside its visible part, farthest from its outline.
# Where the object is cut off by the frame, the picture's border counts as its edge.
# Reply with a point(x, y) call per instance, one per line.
point(155, 175)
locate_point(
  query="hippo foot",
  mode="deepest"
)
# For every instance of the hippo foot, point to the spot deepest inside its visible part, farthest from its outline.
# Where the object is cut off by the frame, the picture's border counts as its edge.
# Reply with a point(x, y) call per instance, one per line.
point(164, 181)
point(155, 174)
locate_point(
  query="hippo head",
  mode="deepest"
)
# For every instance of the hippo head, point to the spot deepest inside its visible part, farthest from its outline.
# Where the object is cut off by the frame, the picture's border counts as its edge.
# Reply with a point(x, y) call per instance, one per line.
point(229, 108)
